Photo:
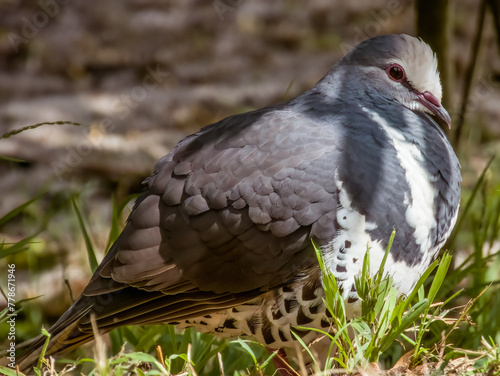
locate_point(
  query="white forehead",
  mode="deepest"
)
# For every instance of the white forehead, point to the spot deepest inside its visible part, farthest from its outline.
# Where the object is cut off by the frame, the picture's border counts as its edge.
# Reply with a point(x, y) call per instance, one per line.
point(414, 55)
point(420, 64)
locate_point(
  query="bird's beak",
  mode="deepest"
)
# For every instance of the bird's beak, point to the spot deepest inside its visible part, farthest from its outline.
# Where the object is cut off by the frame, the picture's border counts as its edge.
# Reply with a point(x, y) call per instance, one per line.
point(433, 105)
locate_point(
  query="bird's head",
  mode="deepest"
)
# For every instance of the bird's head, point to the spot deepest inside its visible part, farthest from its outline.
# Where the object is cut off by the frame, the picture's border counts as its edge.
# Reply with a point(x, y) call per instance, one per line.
point(401, 68)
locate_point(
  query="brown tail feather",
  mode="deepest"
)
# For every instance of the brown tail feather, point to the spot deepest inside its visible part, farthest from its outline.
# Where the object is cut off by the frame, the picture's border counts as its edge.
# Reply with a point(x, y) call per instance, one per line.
point(129, 306)
point(65, 335)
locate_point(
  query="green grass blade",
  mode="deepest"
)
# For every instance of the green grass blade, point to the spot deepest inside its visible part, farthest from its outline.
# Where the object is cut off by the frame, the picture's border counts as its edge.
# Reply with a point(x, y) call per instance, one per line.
point(88, 243)
point(386, 254)
point(116, 222)
point(285, 95)
point(247, 348)
point(467, 206)
point(305, 347)
point(11, 159)
point(8, 371)
point(420, 282)
point(439, 277)
point(20, 246)
point(7, 217)
point(44, 348)
point(411, 316)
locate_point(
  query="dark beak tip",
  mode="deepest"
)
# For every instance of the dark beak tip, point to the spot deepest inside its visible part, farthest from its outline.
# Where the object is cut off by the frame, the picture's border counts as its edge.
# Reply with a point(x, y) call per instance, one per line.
point(443, 114)
point(433, 105)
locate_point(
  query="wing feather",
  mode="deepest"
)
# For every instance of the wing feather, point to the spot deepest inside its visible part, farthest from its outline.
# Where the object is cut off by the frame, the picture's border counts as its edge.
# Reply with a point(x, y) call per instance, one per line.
point(228, 210)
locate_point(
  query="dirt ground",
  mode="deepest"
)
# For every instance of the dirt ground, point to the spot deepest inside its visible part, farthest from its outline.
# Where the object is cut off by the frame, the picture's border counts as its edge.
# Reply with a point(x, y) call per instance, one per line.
point(140, 75)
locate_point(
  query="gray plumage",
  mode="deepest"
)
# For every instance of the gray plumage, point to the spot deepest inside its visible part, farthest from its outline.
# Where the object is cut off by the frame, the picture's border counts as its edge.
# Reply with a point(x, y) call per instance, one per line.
point(221, 238)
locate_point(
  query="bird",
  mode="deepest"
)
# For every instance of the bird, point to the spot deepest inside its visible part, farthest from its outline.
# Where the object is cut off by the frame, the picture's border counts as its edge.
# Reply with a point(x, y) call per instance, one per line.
point(222, 237)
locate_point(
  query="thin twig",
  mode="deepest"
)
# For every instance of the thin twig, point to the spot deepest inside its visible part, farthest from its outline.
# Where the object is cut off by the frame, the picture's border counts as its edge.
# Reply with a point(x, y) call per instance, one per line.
point(100, 347)
point(66, 282)
point(221, 365)
point(190, 362)
point(469, 73)
point(33, 126)
point(159, 354)
point(495, 10)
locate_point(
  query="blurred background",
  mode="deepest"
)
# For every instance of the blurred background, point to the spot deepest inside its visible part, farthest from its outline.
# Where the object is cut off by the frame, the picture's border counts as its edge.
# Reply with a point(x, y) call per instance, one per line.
point(138, 76)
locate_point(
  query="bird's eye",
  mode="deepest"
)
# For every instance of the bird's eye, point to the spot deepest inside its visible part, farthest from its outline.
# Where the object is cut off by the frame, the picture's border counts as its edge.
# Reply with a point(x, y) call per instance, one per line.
point(396, 72)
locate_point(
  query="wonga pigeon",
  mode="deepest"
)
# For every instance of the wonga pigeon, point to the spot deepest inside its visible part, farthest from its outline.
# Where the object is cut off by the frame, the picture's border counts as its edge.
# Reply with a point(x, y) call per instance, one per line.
point(222, 237)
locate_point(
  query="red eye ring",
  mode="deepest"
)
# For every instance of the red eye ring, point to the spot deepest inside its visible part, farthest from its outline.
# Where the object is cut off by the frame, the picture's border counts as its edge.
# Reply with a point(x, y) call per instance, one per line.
point(396, 72)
